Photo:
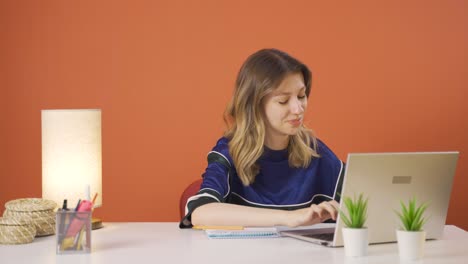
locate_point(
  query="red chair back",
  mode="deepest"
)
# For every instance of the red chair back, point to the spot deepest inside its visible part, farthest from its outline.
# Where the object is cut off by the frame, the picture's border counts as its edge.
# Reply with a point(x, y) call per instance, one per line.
point(191, 190)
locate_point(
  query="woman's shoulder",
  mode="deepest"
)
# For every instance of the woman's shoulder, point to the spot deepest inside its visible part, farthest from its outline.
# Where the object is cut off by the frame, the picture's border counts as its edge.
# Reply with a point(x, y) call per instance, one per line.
point(324, 151)
point(222, 147)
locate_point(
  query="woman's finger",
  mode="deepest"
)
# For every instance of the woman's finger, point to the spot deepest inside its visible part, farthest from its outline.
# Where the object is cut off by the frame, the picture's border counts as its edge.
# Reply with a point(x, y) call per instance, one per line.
point(335, 204)
point(317, 210)
point(330, 209)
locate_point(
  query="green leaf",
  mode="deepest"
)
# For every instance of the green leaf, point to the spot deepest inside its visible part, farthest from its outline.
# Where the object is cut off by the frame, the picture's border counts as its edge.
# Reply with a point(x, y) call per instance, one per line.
point(412, 216)
point(357, 211)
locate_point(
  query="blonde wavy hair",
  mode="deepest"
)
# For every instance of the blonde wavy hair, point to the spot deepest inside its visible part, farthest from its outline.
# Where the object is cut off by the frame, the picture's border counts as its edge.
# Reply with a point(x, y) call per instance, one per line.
point(261, 74)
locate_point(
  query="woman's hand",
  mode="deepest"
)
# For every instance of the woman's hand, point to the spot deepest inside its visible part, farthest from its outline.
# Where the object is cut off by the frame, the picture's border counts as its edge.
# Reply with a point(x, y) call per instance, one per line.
point(314, 214)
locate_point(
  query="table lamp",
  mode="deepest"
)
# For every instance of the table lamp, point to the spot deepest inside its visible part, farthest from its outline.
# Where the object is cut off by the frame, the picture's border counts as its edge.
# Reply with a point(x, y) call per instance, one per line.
point(71, 157)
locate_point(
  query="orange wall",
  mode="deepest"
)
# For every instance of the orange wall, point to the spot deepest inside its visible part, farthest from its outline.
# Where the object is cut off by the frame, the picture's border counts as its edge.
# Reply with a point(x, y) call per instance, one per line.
point(387, 77)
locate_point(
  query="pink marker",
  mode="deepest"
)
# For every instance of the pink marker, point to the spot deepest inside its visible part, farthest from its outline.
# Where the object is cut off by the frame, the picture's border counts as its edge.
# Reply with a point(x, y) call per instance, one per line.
point(78, 220)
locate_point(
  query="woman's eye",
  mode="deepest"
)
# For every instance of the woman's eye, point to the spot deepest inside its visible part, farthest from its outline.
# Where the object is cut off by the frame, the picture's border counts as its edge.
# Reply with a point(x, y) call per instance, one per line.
point(283, 100)
point(301, 97)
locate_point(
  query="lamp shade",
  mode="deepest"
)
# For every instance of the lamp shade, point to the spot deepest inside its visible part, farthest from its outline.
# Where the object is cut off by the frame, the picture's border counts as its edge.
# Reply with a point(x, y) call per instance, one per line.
point(71, 155)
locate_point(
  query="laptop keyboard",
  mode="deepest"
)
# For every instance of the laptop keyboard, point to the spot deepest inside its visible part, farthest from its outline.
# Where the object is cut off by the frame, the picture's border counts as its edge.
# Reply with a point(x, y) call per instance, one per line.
point(325, 237)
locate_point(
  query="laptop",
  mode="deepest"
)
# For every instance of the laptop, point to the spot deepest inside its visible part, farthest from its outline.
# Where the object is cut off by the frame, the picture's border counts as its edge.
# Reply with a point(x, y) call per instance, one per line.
point(386, 179)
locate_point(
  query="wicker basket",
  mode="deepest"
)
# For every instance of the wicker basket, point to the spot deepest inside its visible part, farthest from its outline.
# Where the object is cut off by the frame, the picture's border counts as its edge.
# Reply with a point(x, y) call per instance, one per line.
point(39, 212)
point(14, 231)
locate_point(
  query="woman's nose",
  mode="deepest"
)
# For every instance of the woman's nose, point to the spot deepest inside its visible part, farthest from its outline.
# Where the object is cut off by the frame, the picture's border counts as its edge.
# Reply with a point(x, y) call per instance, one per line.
point(297, 107)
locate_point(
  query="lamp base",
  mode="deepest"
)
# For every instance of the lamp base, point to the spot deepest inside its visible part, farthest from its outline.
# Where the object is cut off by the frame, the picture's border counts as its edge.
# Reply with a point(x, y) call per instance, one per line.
point(96, 223)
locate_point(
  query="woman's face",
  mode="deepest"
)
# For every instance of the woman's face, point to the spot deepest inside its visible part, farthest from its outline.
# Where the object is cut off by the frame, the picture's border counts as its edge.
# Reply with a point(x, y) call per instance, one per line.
point(284, 110)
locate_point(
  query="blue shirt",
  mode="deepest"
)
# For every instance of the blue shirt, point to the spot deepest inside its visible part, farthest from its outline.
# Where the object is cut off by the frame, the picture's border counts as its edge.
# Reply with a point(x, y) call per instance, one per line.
point(277, 185)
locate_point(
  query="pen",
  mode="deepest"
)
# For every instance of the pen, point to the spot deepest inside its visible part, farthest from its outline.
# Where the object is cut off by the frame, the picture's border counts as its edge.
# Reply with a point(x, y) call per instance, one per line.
point(88, 192)
point(218, 227)
point(63, 220)
point(77, 205)
point(64, 206)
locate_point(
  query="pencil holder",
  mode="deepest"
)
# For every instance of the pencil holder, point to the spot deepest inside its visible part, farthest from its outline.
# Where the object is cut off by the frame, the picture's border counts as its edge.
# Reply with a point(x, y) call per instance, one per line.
point(73, 232)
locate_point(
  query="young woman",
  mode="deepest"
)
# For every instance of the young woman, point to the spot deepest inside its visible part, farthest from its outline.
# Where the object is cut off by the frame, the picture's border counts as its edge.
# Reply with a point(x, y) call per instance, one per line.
point(268, 169)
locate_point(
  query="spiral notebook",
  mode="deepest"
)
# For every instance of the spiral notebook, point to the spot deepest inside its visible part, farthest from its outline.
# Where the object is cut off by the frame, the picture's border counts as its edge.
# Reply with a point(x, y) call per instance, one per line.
point(246, 233)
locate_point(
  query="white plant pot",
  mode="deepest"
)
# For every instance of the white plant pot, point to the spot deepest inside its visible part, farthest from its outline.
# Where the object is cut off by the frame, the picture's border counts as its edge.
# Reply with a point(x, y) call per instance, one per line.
point(411, 244)
point(356, 241)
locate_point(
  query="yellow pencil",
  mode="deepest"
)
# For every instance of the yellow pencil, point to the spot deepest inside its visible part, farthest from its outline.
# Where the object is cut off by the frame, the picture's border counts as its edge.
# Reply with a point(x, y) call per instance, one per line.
point(94, 198)
point(67, 243)
point(80, 239)
point(218, 227)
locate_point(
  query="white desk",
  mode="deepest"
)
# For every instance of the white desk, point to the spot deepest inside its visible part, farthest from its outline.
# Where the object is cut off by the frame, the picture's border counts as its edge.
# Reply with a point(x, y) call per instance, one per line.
point(166, 243)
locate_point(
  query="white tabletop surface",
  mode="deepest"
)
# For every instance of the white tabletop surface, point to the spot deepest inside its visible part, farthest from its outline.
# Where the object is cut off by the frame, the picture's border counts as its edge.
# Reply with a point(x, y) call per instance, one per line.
point(166, 243)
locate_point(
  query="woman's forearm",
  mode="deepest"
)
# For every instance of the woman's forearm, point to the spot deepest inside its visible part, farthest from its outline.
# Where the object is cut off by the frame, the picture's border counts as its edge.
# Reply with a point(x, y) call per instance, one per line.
point(238, 215)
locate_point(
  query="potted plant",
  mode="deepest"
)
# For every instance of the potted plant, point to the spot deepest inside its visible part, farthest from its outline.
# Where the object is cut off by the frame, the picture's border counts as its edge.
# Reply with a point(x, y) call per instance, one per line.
point(355, 234)
point(411, 236)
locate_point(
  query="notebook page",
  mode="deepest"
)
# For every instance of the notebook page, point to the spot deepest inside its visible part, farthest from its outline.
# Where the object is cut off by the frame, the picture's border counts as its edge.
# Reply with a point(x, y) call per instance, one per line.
point(246, 233)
